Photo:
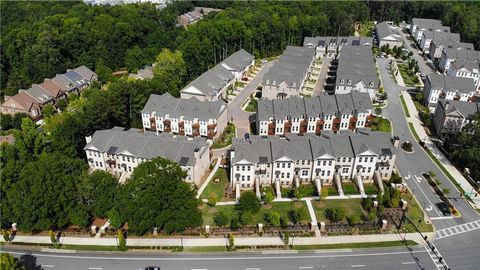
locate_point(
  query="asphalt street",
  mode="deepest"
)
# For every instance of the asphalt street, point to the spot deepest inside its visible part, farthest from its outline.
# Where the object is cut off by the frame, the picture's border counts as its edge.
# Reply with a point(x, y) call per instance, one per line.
point(395, 258)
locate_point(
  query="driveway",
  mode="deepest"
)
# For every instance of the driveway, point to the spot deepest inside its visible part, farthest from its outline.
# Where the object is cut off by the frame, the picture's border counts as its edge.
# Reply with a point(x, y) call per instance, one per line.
point(240, 117)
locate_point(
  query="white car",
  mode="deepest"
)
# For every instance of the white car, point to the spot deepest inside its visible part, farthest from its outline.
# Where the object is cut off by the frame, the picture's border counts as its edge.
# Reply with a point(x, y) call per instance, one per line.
point(264, 61)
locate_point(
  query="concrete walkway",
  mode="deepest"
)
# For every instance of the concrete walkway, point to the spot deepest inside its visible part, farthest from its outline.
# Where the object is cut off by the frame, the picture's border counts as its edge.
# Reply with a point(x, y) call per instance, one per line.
point(222, 241)
point(419, 129)
point(205, 184)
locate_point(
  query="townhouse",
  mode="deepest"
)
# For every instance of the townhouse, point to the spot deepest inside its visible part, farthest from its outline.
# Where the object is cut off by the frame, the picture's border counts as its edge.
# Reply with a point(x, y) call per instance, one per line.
point(444, 34)
point(466, 69)
point(212, 84)
point(453, 116)
point(438, 45)
point(188, 117)
point(294, 160)
point(450, 55)
point(145, 73)
point(386, 34)
point(356, 71)
point(120, 151)
point(420, 25)
point(32, 100)
point(194, 16)
point(330, 46)
point(447, 87)
point(313, 115)
point(287, 76)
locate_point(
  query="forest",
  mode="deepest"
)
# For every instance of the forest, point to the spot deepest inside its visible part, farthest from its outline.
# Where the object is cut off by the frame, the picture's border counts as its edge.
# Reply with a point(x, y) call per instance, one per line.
point(40, 39)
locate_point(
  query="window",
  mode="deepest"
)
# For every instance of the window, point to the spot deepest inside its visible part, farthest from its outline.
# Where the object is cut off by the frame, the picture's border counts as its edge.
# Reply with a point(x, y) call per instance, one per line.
point(371, 159)
point(304, 173)
point(129, 169)
point(128, 159)
point(345, 170)
point(283, 165)
point(288, 175)
point(360, 159)
point(123, 158)
point(330, 163)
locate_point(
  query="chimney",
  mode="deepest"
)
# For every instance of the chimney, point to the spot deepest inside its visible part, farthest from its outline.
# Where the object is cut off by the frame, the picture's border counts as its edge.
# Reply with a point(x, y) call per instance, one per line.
point(196, 153)
point(396, 141)
point(232, 153)
point(88, 139)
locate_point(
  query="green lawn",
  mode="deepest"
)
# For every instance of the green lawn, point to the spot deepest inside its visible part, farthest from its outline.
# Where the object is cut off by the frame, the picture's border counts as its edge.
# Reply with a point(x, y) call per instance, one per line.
point(332, 191)
point(410, 80)
point(370, 189)
point(381, 124)
point(366, 29)
point(240, 84)
point(217, 188)
point(349, 188)
point(352, 206)
point(410, 124)
point(358, 245)
point(404, 105)
point(281, 207)
point(226, 137)
point(252, 106)
point(415, 214)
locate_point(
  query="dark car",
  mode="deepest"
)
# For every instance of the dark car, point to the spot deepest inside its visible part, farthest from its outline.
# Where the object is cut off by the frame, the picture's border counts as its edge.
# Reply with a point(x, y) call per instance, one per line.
point(247, 136)
point(444, 209)
point(153, 268)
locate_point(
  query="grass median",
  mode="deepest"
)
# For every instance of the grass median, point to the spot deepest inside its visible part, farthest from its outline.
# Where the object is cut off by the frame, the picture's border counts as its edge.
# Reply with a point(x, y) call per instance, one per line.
point(404, 105)
point(358, 245)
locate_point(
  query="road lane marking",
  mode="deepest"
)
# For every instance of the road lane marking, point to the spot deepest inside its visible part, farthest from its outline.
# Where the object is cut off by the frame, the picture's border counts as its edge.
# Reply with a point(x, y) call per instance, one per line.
point(426, 197)
point(199, 269)
point(440, 218)
point(408, 262)
point(47, 266)
point(358, 265)
point(252, 269)
point(457, 229)
point(95, 268)
point(305, 267)
point(218, 258)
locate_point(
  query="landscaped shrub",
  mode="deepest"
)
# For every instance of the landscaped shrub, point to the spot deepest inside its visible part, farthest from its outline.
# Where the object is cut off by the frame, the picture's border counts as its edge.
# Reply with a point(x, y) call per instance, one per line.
point(272, 218)
point(335, 214)
point(221, 219)
point(297, 215)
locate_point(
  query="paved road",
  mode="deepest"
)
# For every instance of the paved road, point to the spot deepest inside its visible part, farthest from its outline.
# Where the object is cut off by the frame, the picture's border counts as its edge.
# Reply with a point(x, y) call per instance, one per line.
point(394, 258)
point(460, 251)
point(322, 77)
point(423, 66)
point(235, 112)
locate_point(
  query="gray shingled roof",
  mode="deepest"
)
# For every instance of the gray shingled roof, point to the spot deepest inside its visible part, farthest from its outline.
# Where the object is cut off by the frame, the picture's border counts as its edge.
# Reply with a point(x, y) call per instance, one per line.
point(345, 104)
point(238, 60)
point(255, 151)
point(361, 101)
point(85, 72)
point(465, 108)
point(189, 108)
point(384, 30)
point(374, 141)
point(442, 35)
point(293, 149)
point(427, 23)
point(264, 109)
point(471, 55)
point(450, 44)
point(462, 63)
point(39, 94)
point(356, 64)
point(451, 84)
point(349, 41)
point(329, 104)
point(146, 145)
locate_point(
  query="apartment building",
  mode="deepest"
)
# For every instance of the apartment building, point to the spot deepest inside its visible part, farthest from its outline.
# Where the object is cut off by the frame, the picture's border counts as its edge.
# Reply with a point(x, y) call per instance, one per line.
point(287, 76)
point(120, 151)
point(420, 25)
point(438, 45)
point(212, 84)
point(330, 46)
point(294, 160)
point(386, 34)
point(439, 87)
point(314, 115)
point(187, 117)
point(32, 100)
point(356, 71)
point(453, 116)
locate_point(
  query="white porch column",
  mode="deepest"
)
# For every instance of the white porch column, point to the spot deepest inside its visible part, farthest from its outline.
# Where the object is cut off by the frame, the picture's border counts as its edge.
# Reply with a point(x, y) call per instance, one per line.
point(278, 189)
point(318, 185)
point(338, 182)
point(297, 182)
point(257, 187)
point(237, 191)
point(378, 180)
point(360, 185)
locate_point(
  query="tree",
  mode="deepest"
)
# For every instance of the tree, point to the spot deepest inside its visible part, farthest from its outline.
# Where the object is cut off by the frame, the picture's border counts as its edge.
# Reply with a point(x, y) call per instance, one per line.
point(297, 215)
point(234, 224)
point(156, 196)
point(300, 192)
point(134, 58)
point(272, 218)
point(446, 191)
point(62, 104)
point(353, 220)
point(212, 199)
point(283, 222)
point(97, 191)
point(268, 196)
point(115, 219)
point(48, 110)
point(8, 262)
point(246, 218)
point(170, 69)
point(367, 203)
point(221, 219)
point(248, 202)
point(335, 214)
point(122, 243)
point(395, 197)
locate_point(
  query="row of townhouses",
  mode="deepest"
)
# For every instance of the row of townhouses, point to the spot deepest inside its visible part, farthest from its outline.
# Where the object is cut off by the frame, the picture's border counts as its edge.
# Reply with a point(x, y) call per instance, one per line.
point(453, 57)
point(32, 100)
point(189, 117)
point(314, 114)
point(330, 46)
point(438, 87)
point(120, 151)
point(288, 161)
point(287, 76)
point(212, 84)
point(453, 116)
point(387, 34)
point(356, 71)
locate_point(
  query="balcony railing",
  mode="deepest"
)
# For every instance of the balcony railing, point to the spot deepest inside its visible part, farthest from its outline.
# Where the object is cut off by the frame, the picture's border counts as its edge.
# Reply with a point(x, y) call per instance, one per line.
point(211, 134)
point(271, 129)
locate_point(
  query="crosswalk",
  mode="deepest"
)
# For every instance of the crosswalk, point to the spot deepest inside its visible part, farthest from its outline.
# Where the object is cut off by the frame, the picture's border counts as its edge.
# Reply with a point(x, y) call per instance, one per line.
point(454, 230)
point(435, 255)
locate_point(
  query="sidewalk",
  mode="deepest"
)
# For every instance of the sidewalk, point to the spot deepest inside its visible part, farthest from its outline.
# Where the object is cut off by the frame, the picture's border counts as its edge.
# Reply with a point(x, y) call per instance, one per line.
point(417, 125)
point(205, 184)
point(223, 241)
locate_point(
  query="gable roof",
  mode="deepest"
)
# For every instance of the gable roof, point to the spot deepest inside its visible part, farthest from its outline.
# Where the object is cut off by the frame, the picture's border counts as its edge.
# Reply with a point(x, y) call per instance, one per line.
point(465, 108)
point(52, 88)
point(39, 94)
point(238, 61)
point(24, 100)
point(451, 83)
point(387, 32)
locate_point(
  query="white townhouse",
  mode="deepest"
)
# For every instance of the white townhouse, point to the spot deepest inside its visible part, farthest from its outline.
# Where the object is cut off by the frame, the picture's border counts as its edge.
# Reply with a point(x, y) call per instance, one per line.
point(451, 55)
point(441, 34)
point(212, 84)
point(466, 69)
point(120, 151)
point(453, 116)
point(187, 117)
point(386, 34)
point(356, 72)
point(287, 76)
point(420, 25)
point(330, 46)
point(286, 161)
point(447, 87)
point(312, 115)
point(438, 45)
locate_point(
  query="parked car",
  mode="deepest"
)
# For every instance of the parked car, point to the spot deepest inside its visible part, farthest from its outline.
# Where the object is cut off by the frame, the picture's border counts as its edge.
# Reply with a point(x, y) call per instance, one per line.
point(264, 61)
point(153, 268)
point(444, 209)
point(247, 136)
point(245, 79)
